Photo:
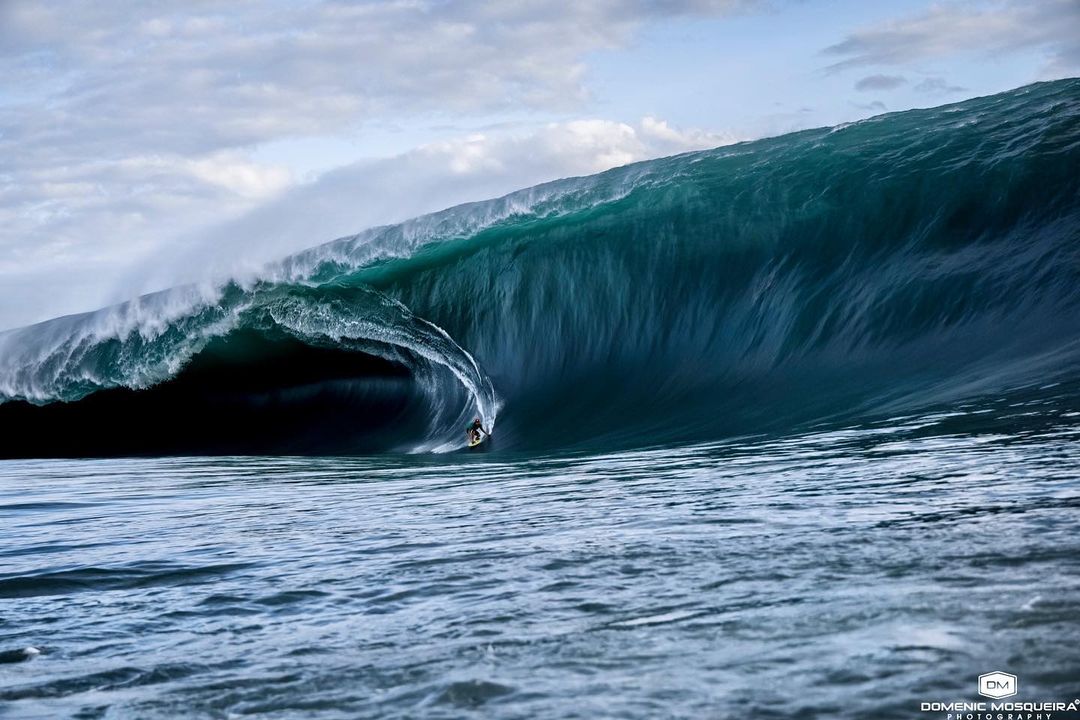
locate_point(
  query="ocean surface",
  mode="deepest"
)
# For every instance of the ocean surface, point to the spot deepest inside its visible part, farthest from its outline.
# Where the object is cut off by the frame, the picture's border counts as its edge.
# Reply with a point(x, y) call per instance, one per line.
point(852, 572)
point(781, 429)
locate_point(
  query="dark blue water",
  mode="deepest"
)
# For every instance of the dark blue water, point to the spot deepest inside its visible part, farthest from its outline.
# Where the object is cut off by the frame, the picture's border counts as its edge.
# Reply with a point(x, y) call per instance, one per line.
point(852, 572)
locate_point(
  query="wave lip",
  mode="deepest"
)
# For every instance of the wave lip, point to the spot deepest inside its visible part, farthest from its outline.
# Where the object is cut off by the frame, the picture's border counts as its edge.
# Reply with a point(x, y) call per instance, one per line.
point(911, 259)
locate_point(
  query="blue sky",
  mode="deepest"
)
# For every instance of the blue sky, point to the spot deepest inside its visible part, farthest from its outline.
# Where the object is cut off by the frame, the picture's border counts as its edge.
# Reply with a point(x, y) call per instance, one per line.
point(147, 144)
point(764, 73)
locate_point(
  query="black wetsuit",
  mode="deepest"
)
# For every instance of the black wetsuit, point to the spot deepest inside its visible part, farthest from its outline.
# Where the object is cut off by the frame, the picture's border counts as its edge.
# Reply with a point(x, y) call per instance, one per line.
point(475, 429)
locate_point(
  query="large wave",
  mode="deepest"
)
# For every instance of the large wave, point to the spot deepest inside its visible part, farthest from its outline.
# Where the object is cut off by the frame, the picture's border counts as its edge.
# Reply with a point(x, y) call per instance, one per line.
point(906, 261)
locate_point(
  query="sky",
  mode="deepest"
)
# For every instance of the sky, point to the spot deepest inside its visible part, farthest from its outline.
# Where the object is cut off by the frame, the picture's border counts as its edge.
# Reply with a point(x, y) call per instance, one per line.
point(143, 145)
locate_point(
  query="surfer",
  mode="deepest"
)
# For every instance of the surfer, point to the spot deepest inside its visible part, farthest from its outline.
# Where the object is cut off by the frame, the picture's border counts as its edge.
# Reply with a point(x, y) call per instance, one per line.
point(474, 431)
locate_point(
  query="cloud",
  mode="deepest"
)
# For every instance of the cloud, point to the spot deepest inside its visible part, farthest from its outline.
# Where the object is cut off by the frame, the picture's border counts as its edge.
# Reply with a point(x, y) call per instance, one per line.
point(200, 77)
point(880, 82)
point(97, 210)
point(984, 28)
point(937, 85)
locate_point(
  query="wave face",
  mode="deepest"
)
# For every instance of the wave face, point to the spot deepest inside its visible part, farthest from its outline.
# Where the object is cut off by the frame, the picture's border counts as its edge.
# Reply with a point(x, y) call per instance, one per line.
point(912, 260)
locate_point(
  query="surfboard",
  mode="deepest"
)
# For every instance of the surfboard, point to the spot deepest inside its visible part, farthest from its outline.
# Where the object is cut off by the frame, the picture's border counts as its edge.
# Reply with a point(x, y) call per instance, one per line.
point(477, 441)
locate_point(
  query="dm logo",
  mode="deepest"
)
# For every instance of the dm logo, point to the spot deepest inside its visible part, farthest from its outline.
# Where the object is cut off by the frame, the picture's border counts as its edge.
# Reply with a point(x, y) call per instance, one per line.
point(997, 685)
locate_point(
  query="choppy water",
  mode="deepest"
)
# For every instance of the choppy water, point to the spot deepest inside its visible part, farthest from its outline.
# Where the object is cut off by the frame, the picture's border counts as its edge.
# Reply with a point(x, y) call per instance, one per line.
point(843, 573)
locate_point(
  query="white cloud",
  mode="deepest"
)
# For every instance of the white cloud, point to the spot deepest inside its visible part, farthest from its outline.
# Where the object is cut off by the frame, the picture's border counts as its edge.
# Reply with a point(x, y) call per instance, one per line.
point(198, 77)
point(239, 176)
